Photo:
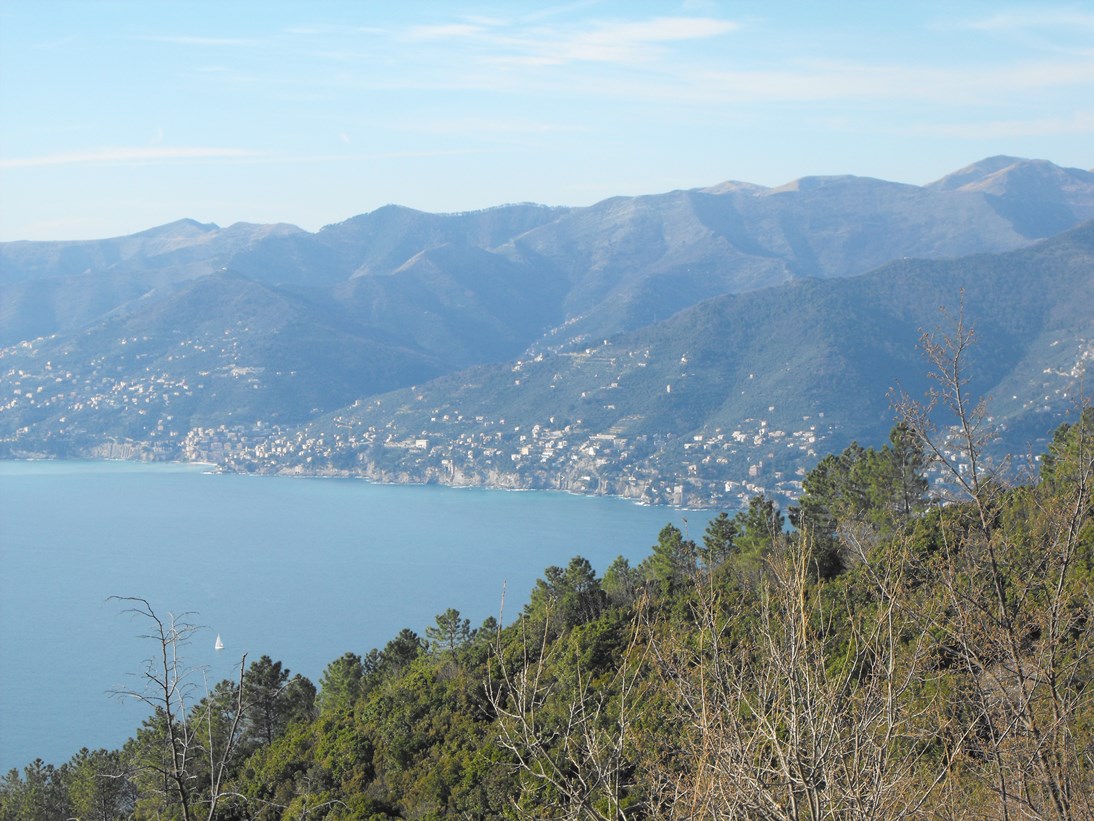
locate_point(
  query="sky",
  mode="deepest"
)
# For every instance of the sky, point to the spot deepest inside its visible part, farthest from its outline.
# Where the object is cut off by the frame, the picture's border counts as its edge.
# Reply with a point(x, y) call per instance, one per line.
point(121, 116)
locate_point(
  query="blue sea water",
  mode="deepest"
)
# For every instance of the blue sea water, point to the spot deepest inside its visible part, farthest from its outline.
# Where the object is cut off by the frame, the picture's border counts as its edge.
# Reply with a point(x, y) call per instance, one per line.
point(302, 570)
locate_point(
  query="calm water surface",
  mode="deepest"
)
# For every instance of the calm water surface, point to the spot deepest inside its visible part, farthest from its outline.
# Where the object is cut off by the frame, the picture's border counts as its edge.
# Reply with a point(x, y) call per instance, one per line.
point(299, 569)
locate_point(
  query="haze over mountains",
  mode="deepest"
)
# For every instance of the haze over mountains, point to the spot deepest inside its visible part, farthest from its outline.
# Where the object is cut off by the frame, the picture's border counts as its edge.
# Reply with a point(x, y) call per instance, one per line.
point(649, 346)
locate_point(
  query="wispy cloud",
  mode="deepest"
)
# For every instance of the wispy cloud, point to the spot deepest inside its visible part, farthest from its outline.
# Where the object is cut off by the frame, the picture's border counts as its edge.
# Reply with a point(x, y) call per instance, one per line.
point(531, 42)
point(1081, 123)
point(129, 155)
point(824, 81)
point(1041, 18)
point(444, 32)
point(480, 127)
point(380, 155)
point(187, 40)
point(609, 42)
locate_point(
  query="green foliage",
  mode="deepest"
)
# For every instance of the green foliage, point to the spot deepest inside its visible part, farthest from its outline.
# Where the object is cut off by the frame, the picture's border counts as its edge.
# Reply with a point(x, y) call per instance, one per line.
point(621, 582)
point(719, 541)
point(759, 526)
point(567, 597)
point(449, 632)
point(274, 701)
point(341, 683)
point(401, 651)
point(861, 492)
point(672, 562)
point(40, 793)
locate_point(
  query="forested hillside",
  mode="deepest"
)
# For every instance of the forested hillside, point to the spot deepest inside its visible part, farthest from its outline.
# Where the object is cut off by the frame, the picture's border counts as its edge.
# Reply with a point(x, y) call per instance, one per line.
point(904, 649)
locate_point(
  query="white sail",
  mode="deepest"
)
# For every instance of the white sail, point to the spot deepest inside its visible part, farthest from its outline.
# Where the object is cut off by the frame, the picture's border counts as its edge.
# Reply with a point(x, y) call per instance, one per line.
point(219, 644)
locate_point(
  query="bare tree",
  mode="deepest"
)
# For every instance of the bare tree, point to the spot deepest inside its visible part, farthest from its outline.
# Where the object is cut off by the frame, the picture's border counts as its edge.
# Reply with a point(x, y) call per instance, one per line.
point(568, 734)
point(776, 719)
point(190, 741)
point(1016, 613)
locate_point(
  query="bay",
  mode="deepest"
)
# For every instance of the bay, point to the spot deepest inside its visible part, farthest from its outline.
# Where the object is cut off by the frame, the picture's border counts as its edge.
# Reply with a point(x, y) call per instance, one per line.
point(301, 570)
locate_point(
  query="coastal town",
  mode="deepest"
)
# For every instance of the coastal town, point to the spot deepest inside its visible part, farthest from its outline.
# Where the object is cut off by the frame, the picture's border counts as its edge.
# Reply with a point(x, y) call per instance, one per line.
point(648, 468)
point(54, 408)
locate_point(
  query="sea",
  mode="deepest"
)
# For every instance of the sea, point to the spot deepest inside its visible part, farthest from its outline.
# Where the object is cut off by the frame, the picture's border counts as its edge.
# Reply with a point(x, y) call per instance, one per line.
point(299, 569)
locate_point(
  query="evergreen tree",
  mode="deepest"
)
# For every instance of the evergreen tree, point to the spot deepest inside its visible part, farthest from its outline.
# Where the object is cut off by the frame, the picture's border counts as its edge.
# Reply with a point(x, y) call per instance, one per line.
point(759, 526)
point(449, 632)
point(341, 684)
point(568, 596)
point(672, 560)
point(719, 541)
point(401, 650)
point(621, 582)
point(274, 701)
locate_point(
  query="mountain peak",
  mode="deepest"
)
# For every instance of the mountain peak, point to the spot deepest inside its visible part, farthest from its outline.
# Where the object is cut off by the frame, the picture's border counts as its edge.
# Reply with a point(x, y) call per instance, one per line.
point(1003, 175)
point(734, 186)
point(179, 229)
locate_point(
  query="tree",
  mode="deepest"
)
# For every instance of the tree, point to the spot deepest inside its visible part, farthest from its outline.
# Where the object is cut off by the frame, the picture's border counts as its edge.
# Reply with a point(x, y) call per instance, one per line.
point(621, 583)
point(780, 706)
point(719, 541)
point(860, 488)
point(402, 650)
point(39, 793)
point(341, 684)
point(449, 632)
point(672, 561)
point(1014, 573)
point(274, 701)
point(759, 526)
point(569, 596)
point(188, 759)
point(568, 728)
point(100, 785)
point(903, 481)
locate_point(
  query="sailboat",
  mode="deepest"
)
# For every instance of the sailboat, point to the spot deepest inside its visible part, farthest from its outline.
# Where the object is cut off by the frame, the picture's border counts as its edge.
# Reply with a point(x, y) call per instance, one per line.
point(219, 644)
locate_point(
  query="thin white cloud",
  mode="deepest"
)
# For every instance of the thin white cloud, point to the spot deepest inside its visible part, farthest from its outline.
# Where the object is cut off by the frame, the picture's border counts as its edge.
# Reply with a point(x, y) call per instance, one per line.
point(1042, 18)
point(128, 155)
point(534, 44)
point(381, 155)
point(331, 29)
point(1081, 123)
point(444, 32)
point(622, 42)
point(187, 40)
point(487, 127)
point(831, 81)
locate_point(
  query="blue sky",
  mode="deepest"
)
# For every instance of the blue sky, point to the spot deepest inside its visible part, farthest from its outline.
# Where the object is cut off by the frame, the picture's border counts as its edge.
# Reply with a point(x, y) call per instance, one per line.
point(119, 116)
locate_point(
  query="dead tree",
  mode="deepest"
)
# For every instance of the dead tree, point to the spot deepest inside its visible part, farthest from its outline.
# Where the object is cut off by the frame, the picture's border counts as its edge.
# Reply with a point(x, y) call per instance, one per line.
point(775, 720)
point(568, 735)
point(191, 746)
point(1017, 611)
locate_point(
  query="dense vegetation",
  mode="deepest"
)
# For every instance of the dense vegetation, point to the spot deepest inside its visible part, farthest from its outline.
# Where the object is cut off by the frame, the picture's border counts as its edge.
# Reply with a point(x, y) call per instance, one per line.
point(905, 650)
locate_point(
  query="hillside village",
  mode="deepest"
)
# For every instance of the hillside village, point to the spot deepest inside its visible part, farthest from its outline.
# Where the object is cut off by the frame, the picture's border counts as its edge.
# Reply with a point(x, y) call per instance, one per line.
point(649, 468)
point(712, 468)
point(715, 468)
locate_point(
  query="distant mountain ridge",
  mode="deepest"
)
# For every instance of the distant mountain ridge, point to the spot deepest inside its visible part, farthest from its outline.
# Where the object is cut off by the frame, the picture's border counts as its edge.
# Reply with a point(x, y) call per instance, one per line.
point(146, 343)
point(745, 389)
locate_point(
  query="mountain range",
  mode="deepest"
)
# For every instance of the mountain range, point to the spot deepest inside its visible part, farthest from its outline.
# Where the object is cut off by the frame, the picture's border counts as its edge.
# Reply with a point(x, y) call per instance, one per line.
point(689, 347)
